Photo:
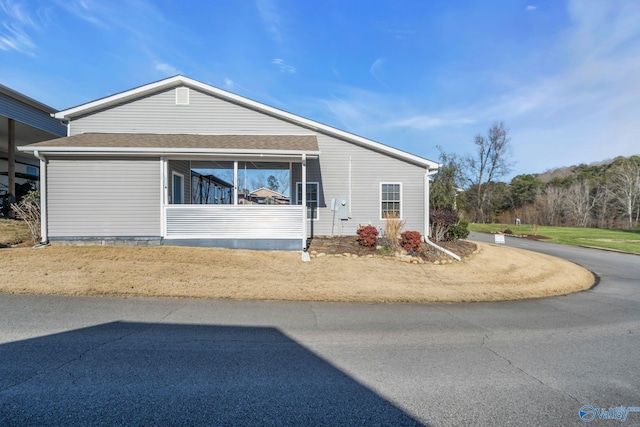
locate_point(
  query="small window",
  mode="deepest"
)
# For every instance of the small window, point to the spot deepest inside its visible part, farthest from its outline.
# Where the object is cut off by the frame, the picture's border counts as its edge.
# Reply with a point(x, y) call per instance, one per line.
point(312, 198)
point(177, 182)
point(182, 96)
point(32, 170)
point(390, 200)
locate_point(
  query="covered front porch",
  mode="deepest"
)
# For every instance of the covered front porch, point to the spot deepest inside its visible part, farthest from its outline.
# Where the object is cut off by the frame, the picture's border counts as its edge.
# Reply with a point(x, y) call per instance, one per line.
point(213, 201)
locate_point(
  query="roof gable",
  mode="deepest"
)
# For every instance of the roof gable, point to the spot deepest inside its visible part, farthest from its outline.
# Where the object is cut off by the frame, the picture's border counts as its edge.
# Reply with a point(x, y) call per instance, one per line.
point(180, 80)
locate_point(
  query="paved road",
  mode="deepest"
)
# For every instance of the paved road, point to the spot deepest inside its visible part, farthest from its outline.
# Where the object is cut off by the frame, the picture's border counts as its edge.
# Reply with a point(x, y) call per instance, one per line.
point(110, 361)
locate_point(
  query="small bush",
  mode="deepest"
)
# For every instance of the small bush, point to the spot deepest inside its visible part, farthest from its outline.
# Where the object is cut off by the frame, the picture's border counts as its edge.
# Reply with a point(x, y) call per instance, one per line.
point(411, 240)
point(458, 231)
point(28, 210)
point(367, 236)
point(441, 221)
point(392, 227)
point(507, 231)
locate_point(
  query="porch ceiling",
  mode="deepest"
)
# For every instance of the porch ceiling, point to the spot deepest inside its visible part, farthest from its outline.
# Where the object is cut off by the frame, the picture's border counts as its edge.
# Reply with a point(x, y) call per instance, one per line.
point(128, 142)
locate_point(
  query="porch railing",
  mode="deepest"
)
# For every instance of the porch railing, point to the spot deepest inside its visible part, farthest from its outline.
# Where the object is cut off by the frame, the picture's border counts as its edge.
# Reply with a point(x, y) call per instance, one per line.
point(233, 222)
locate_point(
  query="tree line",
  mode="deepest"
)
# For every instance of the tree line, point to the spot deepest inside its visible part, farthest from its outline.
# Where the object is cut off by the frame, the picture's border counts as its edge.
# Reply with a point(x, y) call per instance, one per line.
point(606, 195)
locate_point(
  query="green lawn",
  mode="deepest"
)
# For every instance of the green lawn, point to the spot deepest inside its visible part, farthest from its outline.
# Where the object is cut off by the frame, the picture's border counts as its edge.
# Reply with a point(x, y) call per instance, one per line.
point(623, 240)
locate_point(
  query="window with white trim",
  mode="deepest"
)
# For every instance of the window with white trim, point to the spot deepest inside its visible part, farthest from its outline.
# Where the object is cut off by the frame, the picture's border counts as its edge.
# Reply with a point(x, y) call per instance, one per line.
point(390, 200)
point(177, 188)
point(312, 198)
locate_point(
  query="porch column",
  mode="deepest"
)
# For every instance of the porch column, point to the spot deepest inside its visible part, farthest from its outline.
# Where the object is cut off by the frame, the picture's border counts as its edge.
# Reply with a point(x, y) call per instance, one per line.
point(235, 182)
point(304, 201)
point(44, 208)
point(164, 194)
point(11, 160)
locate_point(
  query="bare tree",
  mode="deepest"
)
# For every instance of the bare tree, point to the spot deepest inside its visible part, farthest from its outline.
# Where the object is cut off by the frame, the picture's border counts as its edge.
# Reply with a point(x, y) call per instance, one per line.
point(284, 178)
point(552, 204)
point(626, 179)
point(579, 203)
point(491, 161)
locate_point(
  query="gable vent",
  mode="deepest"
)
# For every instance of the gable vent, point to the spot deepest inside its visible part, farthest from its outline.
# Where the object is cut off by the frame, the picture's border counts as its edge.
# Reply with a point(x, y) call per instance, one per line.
point(182, 96)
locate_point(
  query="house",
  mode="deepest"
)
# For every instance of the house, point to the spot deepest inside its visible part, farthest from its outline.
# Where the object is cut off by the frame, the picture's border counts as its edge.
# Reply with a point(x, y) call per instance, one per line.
point(267, 196)
point(23, 120)
point(125, 172)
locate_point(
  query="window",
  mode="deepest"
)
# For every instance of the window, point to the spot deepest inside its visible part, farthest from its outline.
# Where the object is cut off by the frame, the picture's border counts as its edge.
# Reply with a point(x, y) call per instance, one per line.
point(312, 198)
point(390, 200)
point(177, 188)
point(32, 170)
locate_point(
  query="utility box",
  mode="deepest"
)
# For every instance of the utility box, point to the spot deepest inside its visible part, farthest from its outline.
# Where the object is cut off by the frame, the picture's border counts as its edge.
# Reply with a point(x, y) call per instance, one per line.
point(343, 207)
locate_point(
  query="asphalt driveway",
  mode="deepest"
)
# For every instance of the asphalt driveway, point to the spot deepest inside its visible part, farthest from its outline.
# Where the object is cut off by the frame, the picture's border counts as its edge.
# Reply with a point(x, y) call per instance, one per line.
point(114, 361)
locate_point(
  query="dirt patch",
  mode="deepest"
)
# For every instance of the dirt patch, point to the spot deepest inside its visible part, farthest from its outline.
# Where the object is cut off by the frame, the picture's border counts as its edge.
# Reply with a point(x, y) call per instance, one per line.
point(493, 273)
point(349, 245)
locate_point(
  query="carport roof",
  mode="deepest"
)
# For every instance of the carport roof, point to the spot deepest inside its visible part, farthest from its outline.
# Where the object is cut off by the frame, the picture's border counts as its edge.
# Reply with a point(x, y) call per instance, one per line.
point(178, 144)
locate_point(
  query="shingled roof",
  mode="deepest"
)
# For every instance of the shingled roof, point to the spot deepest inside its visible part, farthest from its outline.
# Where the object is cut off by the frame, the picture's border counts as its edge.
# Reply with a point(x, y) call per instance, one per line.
point(180, 142)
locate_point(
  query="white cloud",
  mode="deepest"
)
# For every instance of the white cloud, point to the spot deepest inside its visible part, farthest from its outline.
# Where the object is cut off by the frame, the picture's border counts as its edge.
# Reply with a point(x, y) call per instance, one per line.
point(87, 10)
point(272, 19)
point(283, 66)
point(376, 68)
point(165, 68)
point(14, 32)
point(228, 83)
point(425, 122)
point(531, 7)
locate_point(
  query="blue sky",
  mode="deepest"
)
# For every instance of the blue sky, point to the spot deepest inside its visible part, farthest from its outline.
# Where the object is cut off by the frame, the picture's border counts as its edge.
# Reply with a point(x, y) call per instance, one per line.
point(563, 75)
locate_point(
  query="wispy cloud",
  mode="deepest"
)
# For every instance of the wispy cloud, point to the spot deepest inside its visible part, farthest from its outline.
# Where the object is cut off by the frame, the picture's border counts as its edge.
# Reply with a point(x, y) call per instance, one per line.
point(228, 83)
point(272, 19)
point(90, 11)
point(283, 66)
point(424, 122)
point(14, 32)
point(165, 68)
point(376, 69)
point(531, 7)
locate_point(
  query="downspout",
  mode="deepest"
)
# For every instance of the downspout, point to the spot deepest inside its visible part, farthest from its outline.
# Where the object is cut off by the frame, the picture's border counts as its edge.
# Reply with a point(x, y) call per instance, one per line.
point(427, 228)
point(44, 232)
point(305, 247)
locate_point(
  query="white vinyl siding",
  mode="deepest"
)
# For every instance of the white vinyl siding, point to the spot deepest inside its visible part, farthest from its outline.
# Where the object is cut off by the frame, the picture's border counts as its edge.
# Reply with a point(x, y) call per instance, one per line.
point(312, 198)
point(103, 197)
point(390, 200)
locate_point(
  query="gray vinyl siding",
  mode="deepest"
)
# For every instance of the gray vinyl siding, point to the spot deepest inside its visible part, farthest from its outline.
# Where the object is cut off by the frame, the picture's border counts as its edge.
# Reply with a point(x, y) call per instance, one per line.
point(182, 167)
point(368, 170)
point(103, 197)
point(205, 115)
point(24, 113)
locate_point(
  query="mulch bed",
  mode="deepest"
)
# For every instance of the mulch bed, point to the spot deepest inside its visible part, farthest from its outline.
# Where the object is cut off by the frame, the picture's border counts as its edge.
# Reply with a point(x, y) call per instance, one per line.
point(349, 245)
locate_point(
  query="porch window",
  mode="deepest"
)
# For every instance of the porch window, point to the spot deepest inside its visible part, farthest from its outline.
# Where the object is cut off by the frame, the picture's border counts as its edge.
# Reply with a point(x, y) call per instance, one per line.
point(312, 198)
point(390, 200)
point(177, 184)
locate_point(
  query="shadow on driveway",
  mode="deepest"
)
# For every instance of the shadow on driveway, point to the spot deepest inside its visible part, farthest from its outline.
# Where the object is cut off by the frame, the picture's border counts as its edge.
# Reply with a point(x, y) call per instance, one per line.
point(159, 374)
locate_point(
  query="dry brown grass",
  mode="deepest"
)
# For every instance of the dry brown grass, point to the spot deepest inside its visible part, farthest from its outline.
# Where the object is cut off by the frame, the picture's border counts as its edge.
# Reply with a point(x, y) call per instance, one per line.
point(494, 273)
point(13, 232)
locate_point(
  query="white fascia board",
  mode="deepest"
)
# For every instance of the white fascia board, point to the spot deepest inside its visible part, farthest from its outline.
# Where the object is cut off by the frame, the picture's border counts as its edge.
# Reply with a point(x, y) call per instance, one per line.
point(118, 97)
point(163, 151)
point(312, 124)
point(178, 80)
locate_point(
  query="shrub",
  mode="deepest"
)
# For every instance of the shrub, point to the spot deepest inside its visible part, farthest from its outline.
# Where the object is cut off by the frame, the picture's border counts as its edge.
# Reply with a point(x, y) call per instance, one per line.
point(367, 236)
point(411, 240)
point(28, 210)
point(458, 231)
point(441, 221)
point(392, 227)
